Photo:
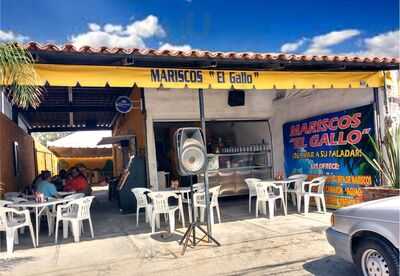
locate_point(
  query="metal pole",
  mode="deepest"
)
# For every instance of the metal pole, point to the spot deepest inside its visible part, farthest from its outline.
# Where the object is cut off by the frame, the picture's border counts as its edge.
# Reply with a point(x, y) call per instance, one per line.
point(206, 194)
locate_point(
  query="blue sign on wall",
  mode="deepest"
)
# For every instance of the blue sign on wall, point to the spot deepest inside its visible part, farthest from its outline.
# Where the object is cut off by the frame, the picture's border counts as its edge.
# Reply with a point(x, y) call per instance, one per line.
point(123, 104)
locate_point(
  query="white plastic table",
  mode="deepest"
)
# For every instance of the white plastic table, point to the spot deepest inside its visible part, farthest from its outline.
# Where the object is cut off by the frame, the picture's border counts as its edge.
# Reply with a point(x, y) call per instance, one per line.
point(39, 208)
point(181, 192)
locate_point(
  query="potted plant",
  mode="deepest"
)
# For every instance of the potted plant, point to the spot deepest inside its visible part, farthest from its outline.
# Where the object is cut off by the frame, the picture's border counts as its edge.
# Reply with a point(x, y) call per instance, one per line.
point(386, 161)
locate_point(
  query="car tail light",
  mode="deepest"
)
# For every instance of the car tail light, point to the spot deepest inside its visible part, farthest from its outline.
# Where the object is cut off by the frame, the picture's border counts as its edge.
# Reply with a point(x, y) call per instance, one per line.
point(333, 220)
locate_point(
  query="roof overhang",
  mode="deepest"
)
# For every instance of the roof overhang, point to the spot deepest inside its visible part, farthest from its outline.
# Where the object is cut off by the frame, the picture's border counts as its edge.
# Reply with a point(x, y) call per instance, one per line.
point(115, 139)
point(118, 76)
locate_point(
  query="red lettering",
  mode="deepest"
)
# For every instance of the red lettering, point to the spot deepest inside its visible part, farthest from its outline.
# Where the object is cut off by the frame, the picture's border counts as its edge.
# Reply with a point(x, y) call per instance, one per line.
point(354, 137)
point(324, 139)
point(314, 141)
point(344, 122)
point(294, 130)
point(332, 139)
point(332, 122)
point(341, 140)
point(356, 120)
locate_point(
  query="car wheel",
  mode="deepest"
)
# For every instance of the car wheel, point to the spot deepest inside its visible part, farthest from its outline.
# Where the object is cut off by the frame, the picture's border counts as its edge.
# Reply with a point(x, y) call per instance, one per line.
point(376, 257)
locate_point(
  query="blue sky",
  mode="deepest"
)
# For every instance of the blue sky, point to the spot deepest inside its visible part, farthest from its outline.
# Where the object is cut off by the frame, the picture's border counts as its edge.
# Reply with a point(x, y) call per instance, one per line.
point(309, 26)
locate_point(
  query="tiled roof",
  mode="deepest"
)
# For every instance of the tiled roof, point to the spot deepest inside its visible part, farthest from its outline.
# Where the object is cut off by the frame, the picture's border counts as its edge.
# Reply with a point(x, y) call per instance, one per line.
point(249, 56)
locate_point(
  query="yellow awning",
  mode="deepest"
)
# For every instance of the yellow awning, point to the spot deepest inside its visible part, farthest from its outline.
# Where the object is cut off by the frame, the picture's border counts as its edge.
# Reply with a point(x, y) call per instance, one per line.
point(100, 76)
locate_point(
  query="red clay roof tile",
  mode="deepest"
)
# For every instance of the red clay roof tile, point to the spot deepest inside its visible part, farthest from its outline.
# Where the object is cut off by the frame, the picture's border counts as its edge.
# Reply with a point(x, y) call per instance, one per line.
point(34, 46)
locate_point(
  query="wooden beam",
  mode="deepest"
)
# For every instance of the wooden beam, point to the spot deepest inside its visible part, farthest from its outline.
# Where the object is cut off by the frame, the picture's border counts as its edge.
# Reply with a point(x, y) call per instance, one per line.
point(67, 128)
point(70, 108)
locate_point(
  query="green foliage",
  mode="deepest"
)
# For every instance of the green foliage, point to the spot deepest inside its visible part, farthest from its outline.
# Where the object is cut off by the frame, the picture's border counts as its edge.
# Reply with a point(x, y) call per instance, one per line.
point(18, 75)
point(387, 158)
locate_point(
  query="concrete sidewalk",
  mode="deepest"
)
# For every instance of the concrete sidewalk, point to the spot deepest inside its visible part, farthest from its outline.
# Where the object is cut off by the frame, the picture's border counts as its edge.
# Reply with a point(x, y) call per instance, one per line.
point(285, 245)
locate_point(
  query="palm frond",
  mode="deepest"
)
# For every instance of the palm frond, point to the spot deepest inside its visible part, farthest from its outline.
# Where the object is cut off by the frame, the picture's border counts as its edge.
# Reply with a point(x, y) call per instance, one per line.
point(386, 160)
point(18, 75)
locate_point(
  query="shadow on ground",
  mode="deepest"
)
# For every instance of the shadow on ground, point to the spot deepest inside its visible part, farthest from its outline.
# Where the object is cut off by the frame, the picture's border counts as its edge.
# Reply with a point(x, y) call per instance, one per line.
point(329, 266)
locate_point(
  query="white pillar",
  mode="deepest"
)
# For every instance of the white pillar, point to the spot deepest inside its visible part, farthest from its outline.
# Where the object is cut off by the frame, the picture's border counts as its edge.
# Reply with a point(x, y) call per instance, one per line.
point(151, 153)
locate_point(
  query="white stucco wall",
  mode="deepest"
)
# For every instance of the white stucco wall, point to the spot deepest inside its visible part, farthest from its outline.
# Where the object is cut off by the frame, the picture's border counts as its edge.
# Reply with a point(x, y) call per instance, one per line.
point(167, 105)
point(183, 104)
point(177, 105)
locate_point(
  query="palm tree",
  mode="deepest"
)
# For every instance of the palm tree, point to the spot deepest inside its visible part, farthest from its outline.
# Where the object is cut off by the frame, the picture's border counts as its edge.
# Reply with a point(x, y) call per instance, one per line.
point(18, 76)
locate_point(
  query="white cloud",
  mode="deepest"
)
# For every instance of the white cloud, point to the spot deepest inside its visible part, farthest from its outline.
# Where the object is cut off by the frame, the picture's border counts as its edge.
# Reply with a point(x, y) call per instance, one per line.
point(385, 44)
point(110, 35)
point(320, 45)
point(292, 46)
point(94, 27)
point(167, 46)
point(9, 36)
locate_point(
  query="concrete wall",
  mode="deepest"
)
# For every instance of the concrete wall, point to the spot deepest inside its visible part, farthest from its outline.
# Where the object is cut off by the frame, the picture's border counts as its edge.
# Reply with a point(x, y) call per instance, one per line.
point(317, 102)
point(176, 105)
point(164, 105)
point(9, 134)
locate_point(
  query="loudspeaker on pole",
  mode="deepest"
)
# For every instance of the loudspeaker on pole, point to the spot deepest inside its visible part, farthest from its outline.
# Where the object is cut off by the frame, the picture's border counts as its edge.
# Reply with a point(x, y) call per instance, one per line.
point(190, 150)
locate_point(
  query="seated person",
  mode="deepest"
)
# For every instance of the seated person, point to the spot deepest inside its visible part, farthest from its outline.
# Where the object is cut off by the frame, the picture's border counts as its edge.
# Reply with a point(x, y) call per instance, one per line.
point(77, 183)
point(59, 180)
point(45, 187)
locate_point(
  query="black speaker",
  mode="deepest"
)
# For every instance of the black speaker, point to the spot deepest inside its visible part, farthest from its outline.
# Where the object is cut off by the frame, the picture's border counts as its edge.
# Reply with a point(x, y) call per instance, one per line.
point(236, 98)
point(190, 150)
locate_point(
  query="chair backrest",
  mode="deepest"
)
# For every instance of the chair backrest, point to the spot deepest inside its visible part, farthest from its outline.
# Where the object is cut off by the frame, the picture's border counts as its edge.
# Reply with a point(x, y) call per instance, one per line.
point(140, 195)
point(321, 183)
point(298, 180)
point(75, 196)
point(198, 187)
point(160, 201)
point(3, 218)
point(264, 189)
point(4, 203)
point(251, 184)
point(83, 206)
point(11, 195)
point(214, 191)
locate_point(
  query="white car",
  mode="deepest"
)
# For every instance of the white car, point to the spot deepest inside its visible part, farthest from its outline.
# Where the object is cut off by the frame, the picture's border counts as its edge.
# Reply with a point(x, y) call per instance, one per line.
point(368, 235)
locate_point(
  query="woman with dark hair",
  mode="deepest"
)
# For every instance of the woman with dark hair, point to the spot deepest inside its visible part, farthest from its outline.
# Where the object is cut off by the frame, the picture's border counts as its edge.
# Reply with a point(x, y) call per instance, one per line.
point(45, 186)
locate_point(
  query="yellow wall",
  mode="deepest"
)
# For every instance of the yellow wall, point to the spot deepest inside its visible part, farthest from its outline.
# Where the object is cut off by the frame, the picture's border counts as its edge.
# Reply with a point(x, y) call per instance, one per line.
point(89, 162)
point(45, 159)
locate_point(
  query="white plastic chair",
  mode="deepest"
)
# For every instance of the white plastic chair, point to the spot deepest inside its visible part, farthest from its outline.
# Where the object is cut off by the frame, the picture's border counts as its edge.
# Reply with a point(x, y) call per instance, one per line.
point(75, 212)
point(197, 187)
point(4, 203)
point(51, 212)
point(296, 191)
point(318, 195)
point(10, 221)
point(75, 196)
point(11, 195)
point(251, 184)
point(266, 193)
point(142, 202)
point(199, 203)
point(160, 206)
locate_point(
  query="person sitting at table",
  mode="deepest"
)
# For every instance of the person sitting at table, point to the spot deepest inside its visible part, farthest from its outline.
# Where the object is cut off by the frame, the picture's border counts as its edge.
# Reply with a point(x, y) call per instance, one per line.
point(77, 183)
point(45, 187)
point(60, 179)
